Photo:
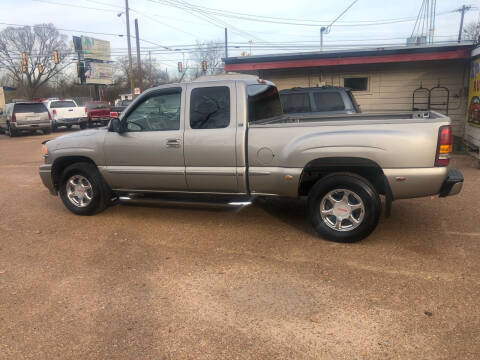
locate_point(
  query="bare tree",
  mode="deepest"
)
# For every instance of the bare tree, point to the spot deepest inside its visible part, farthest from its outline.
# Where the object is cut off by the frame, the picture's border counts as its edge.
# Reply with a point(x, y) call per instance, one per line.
point(37, 43)
point(210, 51)
point(152, 73)
point(472, 31)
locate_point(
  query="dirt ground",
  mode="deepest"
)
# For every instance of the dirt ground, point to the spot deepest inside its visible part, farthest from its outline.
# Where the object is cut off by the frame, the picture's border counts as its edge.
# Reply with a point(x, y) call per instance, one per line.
point(137, 282)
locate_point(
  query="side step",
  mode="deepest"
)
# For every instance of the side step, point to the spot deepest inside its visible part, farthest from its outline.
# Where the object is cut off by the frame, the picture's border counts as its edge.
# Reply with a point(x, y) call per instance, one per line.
point(188, 200)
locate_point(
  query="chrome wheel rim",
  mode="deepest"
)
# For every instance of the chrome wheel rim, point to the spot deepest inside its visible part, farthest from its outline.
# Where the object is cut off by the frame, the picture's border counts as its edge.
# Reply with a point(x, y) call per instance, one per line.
point(342, 210)
point(79, 191)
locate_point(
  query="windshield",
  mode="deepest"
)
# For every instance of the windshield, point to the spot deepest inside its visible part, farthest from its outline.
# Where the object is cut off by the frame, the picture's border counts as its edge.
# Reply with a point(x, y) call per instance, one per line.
point(29, 108)
point(97, 105)
point(126, 102)
point(62, 104)
point(263, 102)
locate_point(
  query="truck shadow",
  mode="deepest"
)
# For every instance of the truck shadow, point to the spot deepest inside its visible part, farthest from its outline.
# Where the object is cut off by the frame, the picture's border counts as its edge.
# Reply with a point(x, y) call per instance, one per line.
point(289, 211)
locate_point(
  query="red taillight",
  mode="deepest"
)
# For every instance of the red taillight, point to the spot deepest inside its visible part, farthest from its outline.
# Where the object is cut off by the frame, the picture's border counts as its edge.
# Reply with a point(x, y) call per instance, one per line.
point(14, 118)
point(445, 141)
point(113, 114)
point(54, 111)
point(50, 116)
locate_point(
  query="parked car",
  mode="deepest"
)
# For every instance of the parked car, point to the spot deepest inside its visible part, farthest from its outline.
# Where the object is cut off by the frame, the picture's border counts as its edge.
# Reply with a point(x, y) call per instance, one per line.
point(116, 110)
point(66, 112)
point(226, 136)
point(318, 100)
point(98, 112)
point(25, 116)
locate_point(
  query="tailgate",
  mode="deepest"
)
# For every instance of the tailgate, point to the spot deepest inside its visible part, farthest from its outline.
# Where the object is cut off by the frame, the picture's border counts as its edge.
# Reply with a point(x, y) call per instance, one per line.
point(70, 113)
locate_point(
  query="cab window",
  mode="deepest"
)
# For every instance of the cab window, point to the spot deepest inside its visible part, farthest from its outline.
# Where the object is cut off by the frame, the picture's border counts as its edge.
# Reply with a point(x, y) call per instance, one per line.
point(210, 107)
point(159, 112)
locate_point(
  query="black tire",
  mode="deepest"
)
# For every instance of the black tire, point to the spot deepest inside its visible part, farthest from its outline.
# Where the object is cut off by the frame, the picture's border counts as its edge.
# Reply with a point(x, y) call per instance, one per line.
point(89, 124)
point(360, 188)
point(2, 131)
point(101, 194)
point(83, 125)
point(47, 131)
point(54, 127)
point(11, 132)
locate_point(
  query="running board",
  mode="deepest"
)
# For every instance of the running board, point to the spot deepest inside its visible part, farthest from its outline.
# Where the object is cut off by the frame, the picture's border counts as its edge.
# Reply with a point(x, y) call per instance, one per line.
point(186, 200)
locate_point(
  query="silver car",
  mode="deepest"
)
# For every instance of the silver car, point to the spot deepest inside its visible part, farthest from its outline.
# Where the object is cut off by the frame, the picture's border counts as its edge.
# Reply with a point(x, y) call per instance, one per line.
point(25, 116)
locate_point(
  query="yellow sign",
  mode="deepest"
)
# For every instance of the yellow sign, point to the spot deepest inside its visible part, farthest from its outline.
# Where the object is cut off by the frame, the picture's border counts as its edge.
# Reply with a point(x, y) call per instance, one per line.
point(473, 111)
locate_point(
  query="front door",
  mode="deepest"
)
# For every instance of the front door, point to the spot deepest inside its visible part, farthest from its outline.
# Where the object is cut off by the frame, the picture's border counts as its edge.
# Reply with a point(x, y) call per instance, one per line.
point(149, 155)
point(210, 135)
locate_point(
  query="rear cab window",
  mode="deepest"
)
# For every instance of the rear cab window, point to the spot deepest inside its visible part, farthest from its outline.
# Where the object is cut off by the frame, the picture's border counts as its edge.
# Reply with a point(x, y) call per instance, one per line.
point(62, 104)
point(263, 103)
point(97, 105)
point(29, 108)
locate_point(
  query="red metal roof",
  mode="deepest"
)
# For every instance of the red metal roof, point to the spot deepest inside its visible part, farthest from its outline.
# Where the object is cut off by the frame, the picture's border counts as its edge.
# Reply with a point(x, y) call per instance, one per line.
point(264, 63)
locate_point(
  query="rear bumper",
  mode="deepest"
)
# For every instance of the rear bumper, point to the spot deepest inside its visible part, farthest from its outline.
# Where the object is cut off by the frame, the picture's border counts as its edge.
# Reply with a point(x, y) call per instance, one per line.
point(453, 183)
point(46, 176)
point(16, 126)
point(72, 121)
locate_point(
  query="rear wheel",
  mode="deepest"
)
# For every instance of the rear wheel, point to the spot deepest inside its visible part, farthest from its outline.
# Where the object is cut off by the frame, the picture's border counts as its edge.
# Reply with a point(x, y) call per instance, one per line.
point(83, 125)
point(83, 190)
point(89, 123)
point(54, 126)
point(47, 131)
point(11, 132)
point(69, 126)
point(344, 208)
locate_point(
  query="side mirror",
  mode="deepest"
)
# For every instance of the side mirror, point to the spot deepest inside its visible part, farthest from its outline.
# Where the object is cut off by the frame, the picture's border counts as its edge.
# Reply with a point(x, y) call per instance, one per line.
point(116, 126)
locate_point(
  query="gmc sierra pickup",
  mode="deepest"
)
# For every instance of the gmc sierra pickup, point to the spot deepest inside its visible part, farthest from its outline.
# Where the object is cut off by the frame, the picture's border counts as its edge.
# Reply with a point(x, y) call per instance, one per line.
point(227, 136)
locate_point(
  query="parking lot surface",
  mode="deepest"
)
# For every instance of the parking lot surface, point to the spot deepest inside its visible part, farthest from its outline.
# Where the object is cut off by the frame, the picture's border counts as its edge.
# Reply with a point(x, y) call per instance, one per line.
point(137, 282)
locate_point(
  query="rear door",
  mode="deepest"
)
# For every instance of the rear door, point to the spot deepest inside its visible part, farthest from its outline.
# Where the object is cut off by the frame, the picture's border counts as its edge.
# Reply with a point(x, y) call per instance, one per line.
point(210, 137)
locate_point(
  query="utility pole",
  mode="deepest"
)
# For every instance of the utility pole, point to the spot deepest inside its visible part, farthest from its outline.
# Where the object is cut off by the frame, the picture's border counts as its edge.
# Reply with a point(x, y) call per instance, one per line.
point(226, 43)
point(139, 60)
point(326, 30)
point(462, 10)
point(130, 67)
point(150, 67)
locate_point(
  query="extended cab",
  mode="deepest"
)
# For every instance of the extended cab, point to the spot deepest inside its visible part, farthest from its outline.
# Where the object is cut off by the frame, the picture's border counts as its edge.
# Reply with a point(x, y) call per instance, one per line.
point(227, 136)
point(66, 112)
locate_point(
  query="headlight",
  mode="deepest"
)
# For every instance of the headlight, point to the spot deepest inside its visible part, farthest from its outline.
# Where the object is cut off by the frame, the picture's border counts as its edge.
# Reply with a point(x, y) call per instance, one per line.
point(44, 151)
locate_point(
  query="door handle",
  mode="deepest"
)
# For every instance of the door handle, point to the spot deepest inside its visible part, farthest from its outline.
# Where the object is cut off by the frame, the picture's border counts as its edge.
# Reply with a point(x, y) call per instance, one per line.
point(173, 142)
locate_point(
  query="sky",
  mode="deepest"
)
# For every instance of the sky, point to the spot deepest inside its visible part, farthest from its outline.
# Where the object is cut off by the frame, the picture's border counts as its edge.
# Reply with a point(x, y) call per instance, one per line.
point(162, 24)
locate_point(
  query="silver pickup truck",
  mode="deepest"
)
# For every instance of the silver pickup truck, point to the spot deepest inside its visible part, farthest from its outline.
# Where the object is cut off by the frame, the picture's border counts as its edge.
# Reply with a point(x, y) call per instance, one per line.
point(227, 136)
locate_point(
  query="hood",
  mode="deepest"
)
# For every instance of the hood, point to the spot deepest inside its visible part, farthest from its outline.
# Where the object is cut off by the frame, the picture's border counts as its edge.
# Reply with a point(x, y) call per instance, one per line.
point(84, 138)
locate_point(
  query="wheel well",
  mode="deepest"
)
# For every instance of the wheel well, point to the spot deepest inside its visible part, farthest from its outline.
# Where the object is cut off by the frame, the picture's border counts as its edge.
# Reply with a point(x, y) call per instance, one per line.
point(319, 168)
point(61, 163)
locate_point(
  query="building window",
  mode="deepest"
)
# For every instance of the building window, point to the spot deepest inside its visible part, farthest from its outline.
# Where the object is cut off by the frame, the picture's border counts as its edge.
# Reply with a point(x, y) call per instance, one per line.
point(356, 83)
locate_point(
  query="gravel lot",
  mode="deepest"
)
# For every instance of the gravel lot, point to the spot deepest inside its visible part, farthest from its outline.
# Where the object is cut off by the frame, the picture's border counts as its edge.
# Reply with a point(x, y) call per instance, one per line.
point(137, 282)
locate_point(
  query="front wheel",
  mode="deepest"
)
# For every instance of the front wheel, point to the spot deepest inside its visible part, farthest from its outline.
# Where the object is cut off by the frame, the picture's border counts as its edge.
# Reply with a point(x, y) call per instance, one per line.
point(83, 190)
point(344, 208)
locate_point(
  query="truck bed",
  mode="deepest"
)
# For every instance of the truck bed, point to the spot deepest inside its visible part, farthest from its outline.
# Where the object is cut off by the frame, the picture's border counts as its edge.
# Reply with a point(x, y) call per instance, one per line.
point(401, 144)
point(377, 117)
